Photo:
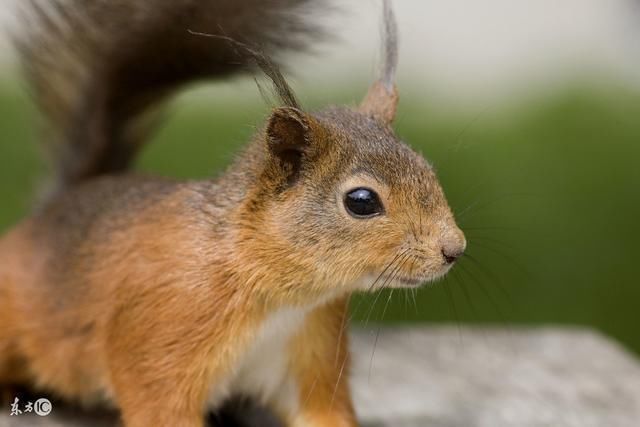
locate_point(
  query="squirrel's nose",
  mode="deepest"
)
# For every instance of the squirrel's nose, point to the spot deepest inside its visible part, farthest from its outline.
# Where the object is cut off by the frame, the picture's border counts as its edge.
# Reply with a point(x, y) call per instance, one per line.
point(453, 246)
point(451, 256)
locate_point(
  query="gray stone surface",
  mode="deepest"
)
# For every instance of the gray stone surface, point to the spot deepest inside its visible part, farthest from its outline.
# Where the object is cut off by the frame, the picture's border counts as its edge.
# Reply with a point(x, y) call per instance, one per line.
point(446, 377)
point(494, 378)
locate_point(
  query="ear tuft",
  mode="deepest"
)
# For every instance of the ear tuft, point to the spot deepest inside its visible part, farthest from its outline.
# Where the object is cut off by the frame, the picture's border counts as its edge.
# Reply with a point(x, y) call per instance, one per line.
point(288, 136)
point(381, 102)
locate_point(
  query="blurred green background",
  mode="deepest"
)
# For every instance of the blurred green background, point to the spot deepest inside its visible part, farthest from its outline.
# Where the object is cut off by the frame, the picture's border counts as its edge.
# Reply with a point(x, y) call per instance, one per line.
point(545, 189)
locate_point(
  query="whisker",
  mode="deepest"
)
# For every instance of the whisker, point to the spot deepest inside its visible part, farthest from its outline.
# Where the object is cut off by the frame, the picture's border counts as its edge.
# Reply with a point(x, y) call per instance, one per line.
point(414, 291)
point(384, 310)
point(377, 279)
point(509, 258)
point(487, 294)
point(406, 292)
point(391, 276)
point(501, 228)
point(343, 326)
point(406, 304)
point(335, 388)
point(375, 343)
point(388, 266)
point(488, 239)
point(490, 276)
point(465, 291)
point(453, 305)
point(480, 204)
point(459, 137)
point(373, 305)
point(313, 386)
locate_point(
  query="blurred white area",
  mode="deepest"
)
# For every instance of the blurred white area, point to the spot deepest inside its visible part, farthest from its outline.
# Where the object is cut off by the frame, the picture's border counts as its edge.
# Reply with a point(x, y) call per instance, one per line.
point(472, 50)
point(482, 50)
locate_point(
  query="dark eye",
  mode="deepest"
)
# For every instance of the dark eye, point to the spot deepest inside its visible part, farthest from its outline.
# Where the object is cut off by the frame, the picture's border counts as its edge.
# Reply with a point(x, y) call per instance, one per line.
point(363, 203)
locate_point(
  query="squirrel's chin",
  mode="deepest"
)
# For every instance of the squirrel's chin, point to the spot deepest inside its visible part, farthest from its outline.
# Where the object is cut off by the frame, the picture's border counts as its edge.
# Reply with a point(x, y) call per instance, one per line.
point(373, 282)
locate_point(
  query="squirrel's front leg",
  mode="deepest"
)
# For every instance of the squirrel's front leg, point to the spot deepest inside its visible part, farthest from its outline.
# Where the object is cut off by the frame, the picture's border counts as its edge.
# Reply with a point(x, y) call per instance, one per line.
point(319, 366)
point(162, 363)
point(157, 388)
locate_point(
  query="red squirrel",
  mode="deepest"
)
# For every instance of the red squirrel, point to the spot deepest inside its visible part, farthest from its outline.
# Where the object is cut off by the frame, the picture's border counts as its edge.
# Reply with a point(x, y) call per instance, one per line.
point(164, 298)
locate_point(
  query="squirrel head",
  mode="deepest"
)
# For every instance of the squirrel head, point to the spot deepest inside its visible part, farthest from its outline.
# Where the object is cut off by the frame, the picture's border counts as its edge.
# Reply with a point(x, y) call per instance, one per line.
point(341, 199)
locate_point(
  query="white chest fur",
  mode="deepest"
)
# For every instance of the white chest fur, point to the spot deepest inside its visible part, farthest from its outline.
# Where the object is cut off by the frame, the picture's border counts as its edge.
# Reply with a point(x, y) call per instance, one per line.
point(263, 370)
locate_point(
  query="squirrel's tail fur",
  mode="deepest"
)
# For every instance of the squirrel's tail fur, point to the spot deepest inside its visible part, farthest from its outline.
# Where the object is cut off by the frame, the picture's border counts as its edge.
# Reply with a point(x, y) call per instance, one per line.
point(98, 68)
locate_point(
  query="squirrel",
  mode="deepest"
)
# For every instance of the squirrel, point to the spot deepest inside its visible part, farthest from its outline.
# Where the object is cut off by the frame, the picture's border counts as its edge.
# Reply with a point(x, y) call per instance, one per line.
point(165, 298)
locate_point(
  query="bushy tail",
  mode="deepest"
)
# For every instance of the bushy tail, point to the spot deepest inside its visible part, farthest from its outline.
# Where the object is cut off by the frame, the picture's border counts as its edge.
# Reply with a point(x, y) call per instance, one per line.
point(99, 67)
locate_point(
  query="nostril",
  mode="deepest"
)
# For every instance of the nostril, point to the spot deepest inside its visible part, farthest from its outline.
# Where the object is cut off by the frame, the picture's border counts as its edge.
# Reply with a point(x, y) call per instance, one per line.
point(450, 257)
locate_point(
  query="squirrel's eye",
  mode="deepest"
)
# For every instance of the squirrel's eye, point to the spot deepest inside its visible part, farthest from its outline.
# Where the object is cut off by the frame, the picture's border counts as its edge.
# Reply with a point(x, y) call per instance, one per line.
point(362, 203)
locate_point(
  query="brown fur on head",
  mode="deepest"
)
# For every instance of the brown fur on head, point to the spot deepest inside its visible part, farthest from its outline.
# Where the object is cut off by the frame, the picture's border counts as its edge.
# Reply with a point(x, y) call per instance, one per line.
point(310, 163)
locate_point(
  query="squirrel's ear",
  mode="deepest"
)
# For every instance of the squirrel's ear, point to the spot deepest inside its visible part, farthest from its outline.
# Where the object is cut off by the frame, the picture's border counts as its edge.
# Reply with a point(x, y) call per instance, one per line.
point(288, 137)
point(382, 99)
point(381, 102)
